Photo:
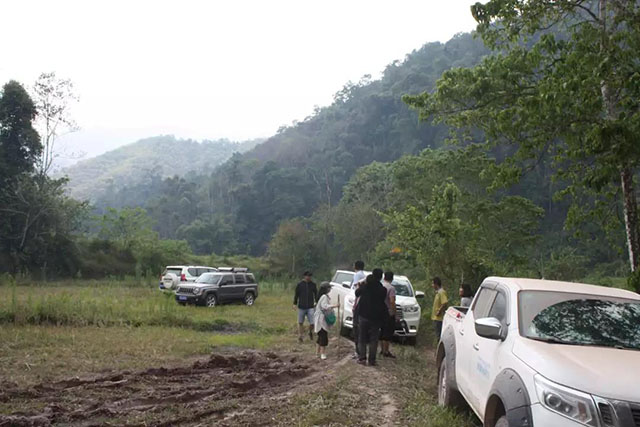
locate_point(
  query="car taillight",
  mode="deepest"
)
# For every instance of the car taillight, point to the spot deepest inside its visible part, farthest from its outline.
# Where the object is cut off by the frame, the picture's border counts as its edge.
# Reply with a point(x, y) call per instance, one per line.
point(183, 278)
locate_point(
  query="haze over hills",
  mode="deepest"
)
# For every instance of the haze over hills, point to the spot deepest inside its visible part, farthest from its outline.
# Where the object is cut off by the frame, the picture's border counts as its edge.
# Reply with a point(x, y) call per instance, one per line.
point(155, 157)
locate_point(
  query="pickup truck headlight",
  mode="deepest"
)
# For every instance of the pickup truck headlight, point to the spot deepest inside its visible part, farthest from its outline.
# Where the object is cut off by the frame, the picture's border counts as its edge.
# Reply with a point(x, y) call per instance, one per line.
point(570, 403)
point(197, 291)
point(411, 308)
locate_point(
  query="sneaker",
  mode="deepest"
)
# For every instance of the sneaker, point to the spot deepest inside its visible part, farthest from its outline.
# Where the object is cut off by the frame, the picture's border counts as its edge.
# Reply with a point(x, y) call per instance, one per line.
point(362, 362)
point(323, 357)
point(389, 355)
point(373, 364)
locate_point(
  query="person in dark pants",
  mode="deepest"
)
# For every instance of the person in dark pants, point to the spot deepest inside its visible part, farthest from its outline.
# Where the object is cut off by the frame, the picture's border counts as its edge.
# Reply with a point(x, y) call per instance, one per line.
point(440, 304)
point(372, 311)
point(305, 300)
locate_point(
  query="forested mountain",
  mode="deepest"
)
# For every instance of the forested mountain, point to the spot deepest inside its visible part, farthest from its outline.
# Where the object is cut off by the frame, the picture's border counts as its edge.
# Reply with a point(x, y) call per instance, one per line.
point(239, 206)
point(141, 162)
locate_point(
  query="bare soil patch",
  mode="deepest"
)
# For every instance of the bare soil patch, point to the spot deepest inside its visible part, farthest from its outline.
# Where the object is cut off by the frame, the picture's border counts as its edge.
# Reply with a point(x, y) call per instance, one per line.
point(219, 389)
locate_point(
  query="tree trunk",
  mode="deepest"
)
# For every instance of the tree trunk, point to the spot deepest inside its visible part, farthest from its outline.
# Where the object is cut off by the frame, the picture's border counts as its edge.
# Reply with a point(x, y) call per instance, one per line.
point(630, 217)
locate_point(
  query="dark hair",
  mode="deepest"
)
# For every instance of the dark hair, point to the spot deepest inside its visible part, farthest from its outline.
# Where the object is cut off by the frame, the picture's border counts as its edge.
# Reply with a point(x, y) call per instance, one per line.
point(388, 276)
point(325, 288)
point(370, 280)
point(307, 273)
point(437, 281)
point(359, 265)
point(466, 291)
point(377, 273)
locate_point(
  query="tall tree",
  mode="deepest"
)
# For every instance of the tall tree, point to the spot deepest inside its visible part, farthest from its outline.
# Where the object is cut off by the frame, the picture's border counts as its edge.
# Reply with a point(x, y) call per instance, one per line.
point(564, 82)
point(53, 98)
point(19, 142)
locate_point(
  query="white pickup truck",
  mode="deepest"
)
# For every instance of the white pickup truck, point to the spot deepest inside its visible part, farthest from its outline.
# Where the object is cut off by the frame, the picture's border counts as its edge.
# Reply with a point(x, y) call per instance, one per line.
point(543, 353)
point(407, 307)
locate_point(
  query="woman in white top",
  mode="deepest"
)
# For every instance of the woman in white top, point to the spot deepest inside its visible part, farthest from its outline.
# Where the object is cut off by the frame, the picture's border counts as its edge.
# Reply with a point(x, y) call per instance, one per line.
point(321, 327)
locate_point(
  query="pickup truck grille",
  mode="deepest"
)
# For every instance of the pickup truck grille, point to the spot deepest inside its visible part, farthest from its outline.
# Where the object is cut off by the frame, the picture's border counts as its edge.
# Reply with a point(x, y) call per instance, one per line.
point(183, 290)
point(399, 312)
point(606, 413)
point(618, 413)
point(635, 412)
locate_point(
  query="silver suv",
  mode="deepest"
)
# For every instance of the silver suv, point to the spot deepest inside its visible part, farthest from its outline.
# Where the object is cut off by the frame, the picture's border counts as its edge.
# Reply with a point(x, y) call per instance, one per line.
point(173, 275)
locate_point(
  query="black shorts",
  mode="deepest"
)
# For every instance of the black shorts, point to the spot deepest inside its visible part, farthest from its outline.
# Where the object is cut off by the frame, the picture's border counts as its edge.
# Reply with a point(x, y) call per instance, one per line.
point(388, 328)
point(323, 338)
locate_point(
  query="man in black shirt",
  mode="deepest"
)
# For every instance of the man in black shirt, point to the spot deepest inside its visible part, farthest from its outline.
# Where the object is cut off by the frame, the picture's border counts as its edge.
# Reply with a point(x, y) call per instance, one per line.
point(305, 300)
point(372, 310)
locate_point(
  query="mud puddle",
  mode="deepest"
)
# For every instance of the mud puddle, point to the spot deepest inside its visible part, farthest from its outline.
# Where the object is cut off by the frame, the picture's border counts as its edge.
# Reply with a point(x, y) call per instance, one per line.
point(219, 390)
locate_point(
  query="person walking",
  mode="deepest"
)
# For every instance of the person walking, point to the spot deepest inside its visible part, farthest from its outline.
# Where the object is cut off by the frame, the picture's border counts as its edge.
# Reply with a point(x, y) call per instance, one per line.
point(466, 295)
point(358, 279)
point(440, 304)
point(304, 301)
point(389, 323)
point(321, 325)
point(372, 310)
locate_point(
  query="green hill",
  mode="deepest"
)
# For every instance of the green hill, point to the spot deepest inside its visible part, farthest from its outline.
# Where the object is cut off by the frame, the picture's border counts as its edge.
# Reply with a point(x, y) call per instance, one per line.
point(147, 159)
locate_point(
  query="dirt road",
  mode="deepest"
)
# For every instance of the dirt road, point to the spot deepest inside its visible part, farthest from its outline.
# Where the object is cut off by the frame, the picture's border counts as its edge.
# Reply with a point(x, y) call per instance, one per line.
point(230, 387)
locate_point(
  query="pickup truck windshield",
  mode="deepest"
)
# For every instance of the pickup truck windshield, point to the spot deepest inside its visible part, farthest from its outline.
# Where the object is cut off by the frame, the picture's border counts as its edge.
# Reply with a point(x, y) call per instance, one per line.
point(576, 319)
point(403, 288)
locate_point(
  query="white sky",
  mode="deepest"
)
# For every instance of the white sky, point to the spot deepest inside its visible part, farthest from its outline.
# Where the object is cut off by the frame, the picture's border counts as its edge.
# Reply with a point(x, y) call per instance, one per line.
point(210, 69)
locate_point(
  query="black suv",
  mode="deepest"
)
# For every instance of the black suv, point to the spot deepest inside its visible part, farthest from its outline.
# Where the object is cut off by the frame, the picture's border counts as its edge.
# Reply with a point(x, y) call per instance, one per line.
point(224, 285)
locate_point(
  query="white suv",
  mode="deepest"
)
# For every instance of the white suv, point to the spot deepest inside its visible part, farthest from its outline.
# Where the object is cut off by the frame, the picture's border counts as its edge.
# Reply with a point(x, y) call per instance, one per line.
point(408, 309)
point(173, 275)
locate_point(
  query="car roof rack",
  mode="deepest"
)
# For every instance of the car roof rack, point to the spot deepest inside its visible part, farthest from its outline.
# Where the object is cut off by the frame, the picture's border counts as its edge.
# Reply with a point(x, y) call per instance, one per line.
point(234, 269)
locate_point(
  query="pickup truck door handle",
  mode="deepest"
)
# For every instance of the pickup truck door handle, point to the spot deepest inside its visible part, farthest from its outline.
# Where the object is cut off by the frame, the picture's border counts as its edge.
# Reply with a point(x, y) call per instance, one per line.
point(476, 347)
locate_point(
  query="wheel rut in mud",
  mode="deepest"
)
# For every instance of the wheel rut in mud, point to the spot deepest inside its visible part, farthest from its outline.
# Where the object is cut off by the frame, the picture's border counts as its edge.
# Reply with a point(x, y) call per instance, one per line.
point(217, 390)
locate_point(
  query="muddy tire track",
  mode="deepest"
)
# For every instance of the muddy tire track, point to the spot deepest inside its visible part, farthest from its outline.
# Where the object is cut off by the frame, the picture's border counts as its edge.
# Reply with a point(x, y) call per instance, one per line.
point(212, 390)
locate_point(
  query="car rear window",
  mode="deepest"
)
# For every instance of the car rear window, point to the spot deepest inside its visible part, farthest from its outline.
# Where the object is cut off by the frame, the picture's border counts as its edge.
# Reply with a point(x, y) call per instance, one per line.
point(240, 278)
point(193, 271)
point(250, 278)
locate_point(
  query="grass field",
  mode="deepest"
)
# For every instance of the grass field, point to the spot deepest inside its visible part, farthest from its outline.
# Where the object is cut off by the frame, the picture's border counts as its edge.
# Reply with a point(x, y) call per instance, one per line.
point(78, 329)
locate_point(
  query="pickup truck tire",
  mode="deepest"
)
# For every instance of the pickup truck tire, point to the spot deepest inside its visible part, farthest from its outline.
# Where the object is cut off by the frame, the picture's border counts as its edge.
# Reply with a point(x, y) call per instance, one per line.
point(447, 396)
point(411, 340)
point(502, 422)
point(249, 298)
point(345, 332)
point(211, 300)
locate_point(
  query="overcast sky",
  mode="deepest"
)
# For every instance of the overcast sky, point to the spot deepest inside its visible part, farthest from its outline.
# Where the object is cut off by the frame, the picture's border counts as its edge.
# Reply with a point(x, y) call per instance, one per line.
point(210, 69)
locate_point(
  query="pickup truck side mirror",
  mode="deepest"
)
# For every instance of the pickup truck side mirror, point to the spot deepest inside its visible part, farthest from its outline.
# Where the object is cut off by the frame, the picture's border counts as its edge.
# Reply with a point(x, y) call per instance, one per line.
point(346, 285)
point(490, 327)
point(419, 294)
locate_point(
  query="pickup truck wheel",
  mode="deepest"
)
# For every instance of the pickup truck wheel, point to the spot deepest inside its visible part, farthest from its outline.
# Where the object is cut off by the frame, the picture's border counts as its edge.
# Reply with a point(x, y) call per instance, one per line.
point(411, 340)
point(446, 395)
point(502, 422)
point(249, 298)
point(211, 300)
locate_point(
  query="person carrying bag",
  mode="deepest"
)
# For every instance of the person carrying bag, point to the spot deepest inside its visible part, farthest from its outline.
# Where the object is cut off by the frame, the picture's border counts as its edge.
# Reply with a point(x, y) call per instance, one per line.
point(324, 318)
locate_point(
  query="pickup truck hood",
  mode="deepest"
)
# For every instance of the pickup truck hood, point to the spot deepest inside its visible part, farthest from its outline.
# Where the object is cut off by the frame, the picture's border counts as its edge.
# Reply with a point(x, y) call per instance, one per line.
point(601, 371)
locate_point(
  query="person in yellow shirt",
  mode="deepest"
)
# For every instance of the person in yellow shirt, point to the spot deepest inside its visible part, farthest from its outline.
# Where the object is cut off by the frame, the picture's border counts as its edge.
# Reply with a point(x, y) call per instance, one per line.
point(440, 304)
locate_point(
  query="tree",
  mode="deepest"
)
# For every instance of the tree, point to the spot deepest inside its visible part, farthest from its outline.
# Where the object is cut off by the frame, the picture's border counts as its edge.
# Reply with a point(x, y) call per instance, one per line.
point(126, 227)
point(53, 97)
point(564, 83)
point(19, 142)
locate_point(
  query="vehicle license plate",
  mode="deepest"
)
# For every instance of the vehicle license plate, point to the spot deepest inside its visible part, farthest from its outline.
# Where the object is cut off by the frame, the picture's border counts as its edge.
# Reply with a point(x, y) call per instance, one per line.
point(181, 298)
